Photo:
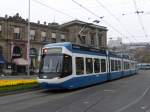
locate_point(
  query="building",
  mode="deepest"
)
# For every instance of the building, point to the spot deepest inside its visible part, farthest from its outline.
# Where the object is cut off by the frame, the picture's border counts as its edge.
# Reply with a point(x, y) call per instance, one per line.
point(115, 43)
point(141, 51)
point(87, 34)
point(14, 38)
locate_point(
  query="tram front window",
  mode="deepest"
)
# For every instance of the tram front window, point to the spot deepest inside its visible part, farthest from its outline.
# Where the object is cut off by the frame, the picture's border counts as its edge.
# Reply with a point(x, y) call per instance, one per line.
point(55, 65)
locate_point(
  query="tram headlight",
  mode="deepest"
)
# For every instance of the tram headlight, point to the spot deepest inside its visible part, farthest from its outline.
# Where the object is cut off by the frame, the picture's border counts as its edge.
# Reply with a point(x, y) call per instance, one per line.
point(45, 51)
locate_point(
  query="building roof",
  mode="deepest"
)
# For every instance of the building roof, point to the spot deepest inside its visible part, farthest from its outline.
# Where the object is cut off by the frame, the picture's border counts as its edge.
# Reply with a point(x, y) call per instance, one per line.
point(83, 23)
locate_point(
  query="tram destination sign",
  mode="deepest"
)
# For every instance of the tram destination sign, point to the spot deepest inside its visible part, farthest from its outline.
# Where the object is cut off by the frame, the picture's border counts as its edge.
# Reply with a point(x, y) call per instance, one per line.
point(52, 50)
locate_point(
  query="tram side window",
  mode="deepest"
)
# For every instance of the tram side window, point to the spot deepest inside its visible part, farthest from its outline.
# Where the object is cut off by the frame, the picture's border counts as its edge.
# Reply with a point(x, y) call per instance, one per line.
point(116, 65)
point(96, 65)
point(133, 65)
point(112, 65)
point(119, 65)
point(89, 65)
point(124, 65)
point(79, 65)
point(103, 65)
point(128, 65)
point(67, 65)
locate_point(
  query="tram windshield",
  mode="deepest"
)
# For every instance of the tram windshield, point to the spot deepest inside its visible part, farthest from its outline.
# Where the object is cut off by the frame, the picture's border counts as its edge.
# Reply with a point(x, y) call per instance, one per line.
point(55, 65)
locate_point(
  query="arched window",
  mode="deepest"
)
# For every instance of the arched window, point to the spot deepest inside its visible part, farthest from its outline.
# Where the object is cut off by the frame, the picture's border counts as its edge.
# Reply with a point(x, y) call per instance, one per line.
point(17, 51)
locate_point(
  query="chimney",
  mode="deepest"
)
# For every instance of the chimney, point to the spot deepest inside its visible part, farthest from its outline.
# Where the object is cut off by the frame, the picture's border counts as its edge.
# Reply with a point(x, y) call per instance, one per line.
point(44, 22)
point(38, 22)
point(6, 16)
point(26, 20)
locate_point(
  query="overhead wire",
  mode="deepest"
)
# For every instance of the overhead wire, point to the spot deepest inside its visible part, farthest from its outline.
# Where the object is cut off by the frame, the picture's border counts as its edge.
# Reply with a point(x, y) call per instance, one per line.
point(139, 18)
point(88, 10)
point(116, 18)
point(63, 13)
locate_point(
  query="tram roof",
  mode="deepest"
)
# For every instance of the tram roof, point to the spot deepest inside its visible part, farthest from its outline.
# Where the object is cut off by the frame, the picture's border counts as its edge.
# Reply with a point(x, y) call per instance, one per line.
point(87, 50)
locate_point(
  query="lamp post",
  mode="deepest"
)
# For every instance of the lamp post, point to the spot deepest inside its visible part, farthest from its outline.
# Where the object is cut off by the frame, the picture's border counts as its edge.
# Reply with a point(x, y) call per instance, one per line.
point(28, 44)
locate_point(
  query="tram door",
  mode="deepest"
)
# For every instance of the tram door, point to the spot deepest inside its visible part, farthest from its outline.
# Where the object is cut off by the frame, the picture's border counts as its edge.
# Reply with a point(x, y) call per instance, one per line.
point(108, 68)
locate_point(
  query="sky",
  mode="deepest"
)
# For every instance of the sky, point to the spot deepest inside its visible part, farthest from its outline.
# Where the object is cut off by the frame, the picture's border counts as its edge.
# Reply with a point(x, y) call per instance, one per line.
point(117, 15)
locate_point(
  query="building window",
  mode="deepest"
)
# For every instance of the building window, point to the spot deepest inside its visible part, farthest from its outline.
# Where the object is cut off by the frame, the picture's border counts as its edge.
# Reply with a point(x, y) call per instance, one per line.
point(53, 35)
point(103, 65)
point(100, 39)
point(17, 52)
point(62, 38)
point(16, 33)
point(92, 40)
point(83, 39)
point(0, 28)
point(79, 65)
point(32, 35)
point(43, 36)
point(89, 65)
point(96, 65)
point(53, 39)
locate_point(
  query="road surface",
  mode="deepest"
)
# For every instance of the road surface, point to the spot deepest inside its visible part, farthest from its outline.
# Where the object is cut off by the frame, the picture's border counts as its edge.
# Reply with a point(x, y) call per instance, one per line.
point(130, 94)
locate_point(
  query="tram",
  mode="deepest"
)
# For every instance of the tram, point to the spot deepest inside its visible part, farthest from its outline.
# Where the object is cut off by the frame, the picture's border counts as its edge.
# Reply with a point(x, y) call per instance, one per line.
point(69, 66)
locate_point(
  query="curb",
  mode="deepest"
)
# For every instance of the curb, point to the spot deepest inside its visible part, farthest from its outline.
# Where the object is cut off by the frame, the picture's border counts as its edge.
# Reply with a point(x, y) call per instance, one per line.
point(5, 93)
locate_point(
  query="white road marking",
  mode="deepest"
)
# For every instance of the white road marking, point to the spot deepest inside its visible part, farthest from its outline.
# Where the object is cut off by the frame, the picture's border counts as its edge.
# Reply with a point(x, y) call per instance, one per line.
point(134, 102)
point(86, 102)
point(108, 90)
point(143, 107)
point(147, 110)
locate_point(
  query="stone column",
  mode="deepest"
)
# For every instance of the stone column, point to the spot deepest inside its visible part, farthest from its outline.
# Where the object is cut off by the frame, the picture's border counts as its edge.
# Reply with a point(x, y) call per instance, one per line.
point(97, 39)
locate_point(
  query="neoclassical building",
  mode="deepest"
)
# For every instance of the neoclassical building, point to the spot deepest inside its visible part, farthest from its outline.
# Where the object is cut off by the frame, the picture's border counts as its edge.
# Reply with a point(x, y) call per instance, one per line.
point(14, 38)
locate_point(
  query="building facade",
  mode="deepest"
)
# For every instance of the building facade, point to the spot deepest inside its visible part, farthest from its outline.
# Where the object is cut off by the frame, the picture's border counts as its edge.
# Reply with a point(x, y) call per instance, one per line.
point(14, 39)
point(115, 43)
point(86, 34)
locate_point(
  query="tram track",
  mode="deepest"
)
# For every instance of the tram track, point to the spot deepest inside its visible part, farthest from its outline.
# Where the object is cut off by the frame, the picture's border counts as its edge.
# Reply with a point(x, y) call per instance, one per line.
point(30, 99)
point(18, 91)
point(19, 95)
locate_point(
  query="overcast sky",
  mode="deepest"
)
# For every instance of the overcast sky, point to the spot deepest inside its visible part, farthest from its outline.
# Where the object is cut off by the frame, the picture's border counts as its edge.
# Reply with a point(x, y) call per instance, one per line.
point(118, 15)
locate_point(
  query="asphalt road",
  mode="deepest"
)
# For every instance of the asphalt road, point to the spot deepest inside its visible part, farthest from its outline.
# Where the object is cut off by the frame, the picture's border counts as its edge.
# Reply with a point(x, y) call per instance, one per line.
point(131, 94)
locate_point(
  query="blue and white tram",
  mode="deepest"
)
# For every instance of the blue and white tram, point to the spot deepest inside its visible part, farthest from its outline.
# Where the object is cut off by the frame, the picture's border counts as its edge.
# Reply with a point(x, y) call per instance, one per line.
point(69, 66)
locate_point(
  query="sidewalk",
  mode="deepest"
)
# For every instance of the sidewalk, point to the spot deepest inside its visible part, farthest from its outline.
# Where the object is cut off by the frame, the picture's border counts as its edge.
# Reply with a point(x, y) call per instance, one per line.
point(2, 77)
